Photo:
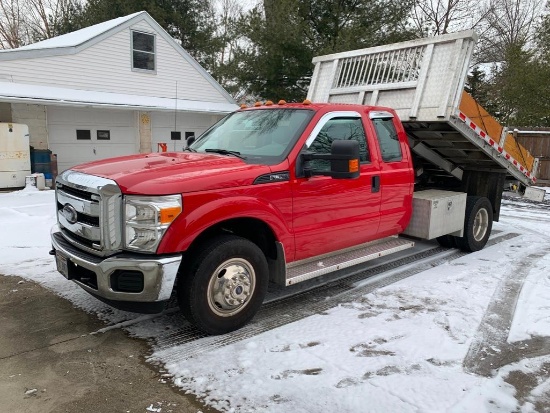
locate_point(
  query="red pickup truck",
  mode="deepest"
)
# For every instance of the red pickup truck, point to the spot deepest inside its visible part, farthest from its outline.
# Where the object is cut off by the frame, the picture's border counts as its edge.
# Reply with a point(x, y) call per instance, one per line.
point(279, 193)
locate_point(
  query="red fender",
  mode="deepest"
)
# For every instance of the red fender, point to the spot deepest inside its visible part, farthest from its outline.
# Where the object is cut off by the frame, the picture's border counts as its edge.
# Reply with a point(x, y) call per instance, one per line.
point(198, 216)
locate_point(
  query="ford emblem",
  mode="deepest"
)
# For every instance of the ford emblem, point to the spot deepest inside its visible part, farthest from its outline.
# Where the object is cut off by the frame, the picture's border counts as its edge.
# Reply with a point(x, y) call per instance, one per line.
point(69, 213)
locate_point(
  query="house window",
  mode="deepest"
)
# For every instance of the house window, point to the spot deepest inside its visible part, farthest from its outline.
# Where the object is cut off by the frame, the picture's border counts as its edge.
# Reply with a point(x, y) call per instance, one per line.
point(143, 51)
point(103, 135)
point(83, 134)
point(175, 135)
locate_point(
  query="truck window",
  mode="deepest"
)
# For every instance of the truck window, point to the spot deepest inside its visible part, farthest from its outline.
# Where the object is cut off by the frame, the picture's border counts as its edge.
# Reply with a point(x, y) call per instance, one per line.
point(339, 128)
point(388, 140)
point(263, 136)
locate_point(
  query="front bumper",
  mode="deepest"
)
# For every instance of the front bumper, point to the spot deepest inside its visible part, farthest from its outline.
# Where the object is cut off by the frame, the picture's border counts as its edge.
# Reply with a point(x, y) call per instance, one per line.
point(96, 274)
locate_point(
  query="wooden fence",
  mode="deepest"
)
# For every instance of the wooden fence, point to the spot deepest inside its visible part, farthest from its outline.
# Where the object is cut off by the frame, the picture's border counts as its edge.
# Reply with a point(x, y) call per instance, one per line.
point(537, 142)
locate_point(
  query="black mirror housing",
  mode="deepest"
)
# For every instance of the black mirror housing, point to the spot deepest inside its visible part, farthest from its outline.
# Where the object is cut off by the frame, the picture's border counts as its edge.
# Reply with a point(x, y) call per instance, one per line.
point(348, 167)
point(344, 160)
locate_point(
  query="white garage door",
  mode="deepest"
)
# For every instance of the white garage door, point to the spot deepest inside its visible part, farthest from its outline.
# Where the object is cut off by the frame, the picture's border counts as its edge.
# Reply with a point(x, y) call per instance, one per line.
point(80, 135)
point(163, 123)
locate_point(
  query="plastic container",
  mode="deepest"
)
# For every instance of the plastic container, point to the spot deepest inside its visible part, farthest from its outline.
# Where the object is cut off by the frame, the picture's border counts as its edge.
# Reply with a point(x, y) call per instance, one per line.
point(41, 162)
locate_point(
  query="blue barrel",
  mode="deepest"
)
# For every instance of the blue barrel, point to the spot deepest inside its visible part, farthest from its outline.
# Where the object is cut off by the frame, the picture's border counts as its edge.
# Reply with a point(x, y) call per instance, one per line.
point(41, 162)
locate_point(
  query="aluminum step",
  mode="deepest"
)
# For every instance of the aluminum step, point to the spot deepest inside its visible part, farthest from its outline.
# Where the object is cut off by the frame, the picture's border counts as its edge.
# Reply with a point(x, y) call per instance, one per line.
point(305, 270)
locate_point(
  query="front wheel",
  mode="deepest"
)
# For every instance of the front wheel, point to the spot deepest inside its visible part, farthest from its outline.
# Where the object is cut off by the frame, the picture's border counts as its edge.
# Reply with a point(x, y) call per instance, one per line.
point(224, 286)
point(478, 223)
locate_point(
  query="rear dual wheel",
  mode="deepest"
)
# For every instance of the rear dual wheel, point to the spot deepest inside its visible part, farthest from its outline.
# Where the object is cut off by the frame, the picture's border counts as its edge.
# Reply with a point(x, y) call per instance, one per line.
point(224, 286)
point(478, 223)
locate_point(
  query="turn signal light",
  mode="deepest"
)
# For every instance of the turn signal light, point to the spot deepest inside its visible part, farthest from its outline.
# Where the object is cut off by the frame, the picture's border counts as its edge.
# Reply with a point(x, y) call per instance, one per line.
point(353, 165)
point(167, 215)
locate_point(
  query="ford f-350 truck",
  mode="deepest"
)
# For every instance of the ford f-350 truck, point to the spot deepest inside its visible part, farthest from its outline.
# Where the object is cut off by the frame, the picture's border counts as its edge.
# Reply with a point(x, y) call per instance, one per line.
point(286, 192)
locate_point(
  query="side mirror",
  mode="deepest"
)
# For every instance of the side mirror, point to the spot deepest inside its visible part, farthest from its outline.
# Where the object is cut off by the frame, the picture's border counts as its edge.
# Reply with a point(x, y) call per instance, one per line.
point(190, 140)
point(344, 160)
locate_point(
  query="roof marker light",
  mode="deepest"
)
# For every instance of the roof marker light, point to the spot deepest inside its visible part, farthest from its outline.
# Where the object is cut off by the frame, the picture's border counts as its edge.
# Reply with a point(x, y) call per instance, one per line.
point(306, 102)
point(258, 104)
point(268, 103)
point(282, 102)
point(244, 106)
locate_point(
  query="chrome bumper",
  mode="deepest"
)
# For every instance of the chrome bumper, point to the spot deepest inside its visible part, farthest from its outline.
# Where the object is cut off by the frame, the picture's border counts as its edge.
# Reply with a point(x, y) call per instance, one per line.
point(159, 273)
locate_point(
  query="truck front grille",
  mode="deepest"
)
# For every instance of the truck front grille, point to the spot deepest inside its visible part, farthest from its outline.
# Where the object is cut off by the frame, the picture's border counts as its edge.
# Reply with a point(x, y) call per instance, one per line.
point(89, 211)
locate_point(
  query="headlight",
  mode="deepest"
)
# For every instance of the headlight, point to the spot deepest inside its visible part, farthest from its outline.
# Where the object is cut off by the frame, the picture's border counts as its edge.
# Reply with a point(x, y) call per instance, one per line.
point(147, 218)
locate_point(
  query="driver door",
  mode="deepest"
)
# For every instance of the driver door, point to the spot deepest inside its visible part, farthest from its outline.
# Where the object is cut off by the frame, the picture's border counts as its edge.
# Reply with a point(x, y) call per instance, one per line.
point(332, 214)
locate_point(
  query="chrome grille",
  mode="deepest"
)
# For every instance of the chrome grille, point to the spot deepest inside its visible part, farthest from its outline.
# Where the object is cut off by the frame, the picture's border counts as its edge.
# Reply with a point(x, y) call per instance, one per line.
point(89, 211)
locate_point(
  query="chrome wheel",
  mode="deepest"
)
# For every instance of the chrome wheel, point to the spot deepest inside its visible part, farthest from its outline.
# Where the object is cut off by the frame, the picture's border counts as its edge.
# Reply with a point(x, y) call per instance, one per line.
point(230, 287)
point(481, 223)
point(478, 222)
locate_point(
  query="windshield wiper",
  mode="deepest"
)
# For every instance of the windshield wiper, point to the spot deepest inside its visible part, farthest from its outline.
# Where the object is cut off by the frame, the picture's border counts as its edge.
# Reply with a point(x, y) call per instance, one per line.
point(226, 152)
point(190, 149)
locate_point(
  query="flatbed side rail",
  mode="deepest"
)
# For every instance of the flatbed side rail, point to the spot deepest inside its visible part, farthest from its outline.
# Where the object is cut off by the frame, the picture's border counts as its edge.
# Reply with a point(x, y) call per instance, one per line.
point(477, 114)
point(514, 167)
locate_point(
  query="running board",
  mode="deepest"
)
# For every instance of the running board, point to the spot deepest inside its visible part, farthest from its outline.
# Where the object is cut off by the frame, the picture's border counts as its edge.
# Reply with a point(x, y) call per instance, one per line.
point(302, 271)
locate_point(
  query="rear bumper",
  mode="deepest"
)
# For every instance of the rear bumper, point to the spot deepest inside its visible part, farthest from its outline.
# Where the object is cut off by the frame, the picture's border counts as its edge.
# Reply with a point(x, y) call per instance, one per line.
point(96, 274)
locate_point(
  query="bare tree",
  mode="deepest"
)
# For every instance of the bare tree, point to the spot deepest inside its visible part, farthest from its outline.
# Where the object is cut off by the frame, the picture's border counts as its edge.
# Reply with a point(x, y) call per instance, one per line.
point(509, 23)
point(26, 21)
point(230, 11)
point(12, 24)
point(434, 17)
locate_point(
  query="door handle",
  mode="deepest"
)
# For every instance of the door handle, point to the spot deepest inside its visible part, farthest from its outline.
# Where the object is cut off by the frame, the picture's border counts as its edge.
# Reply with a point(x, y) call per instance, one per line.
point(376, 183)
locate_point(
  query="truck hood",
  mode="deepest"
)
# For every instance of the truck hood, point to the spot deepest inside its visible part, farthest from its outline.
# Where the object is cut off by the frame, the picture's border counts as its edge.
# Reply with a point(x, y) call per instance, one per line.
point(174, 172)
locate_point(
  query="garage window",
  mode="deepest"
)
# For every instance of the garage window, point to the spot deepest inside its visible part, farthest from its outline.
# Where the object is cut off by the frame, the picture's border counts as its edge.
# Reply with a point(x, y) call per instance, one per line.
point(143, 51)
point(83, 134)
point(103, 135)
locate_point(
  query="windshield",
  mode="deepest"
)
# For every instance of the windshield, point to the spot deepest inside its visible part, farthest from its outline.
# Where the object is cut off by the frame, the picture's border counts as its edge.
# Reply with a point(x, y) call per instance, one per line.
point(258, 136)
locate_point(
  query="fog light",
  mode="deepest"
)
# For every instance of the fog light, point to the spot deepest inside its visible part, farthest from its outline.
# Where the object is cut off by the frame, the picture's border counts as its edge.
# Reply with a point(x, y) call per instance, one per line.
point(127, 281)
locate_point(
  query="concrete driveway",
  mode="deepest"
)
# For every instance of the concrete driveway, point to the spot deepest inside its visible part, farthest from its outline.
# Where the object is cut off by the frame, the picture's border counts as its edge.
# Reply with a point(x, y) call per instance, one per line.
point(51, 362)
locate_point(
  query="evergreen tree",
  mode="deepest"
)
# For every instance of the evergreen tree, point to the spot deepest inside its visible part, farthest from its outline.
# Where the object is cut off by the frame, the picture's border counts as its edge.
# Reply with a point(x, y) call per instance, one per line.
point(282, 36)
point(479, 86)
point(521, 89)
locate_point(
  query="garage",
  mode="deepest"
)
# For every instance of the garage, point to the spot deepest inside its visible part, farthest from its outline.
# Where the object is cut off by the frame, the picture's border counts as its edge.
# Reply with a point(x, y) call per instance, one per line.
point(80, 135)
point(163, 123)
point(83, 109)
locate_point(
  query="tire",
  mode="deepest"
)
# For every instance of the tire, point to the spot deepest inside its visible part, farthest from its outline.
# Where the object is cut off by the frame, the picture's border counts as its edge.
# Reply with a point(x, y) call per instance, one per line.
point(478, 223)
point(224, 286)
point(447, 241)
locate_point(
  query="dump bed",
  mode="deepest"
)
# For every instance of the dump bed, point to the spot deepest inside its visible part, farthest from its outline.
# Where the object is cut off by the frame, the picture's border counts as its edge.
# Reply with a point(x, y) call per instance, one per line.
point(423, 80)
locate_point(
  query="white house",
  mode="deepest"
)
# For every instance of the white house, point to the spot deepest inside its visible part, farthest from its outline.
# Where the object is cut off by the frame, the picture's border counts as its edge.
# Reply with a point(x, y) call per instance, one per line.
point(116, 88)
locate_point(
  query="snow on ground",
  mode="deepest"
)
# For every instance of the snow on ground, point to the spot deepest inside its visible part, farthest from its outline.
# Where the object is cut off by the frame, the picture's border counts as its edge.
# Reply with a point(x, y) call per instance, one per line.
point(409, 347)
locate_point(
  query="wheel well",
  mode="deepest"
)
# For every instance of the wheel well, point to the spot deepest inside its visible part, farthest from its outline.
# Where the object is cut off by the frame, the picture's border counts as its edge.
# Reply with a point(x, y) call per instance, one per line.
point(252, 229)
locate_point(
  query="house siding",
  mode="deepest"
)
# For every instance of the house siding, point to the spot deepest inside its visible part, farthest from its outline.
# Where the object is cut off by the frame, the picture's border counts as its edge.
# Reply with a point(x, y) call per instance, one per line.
point(106, 67)
point(34, 116)
point(5, 112)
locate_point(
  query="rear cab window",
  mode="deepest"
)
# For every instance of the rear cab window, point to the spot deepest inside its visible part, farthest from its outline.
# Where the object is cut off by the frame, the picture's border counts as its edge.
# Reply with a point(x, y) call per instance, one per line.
point(387, 137)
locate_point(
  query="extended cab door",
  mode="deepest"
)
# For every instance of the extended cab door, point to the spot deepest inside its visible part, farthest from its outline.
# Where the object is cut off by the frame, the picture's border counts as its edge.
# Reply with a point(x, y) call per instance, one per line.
point(396, 173)
point(331, 214)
